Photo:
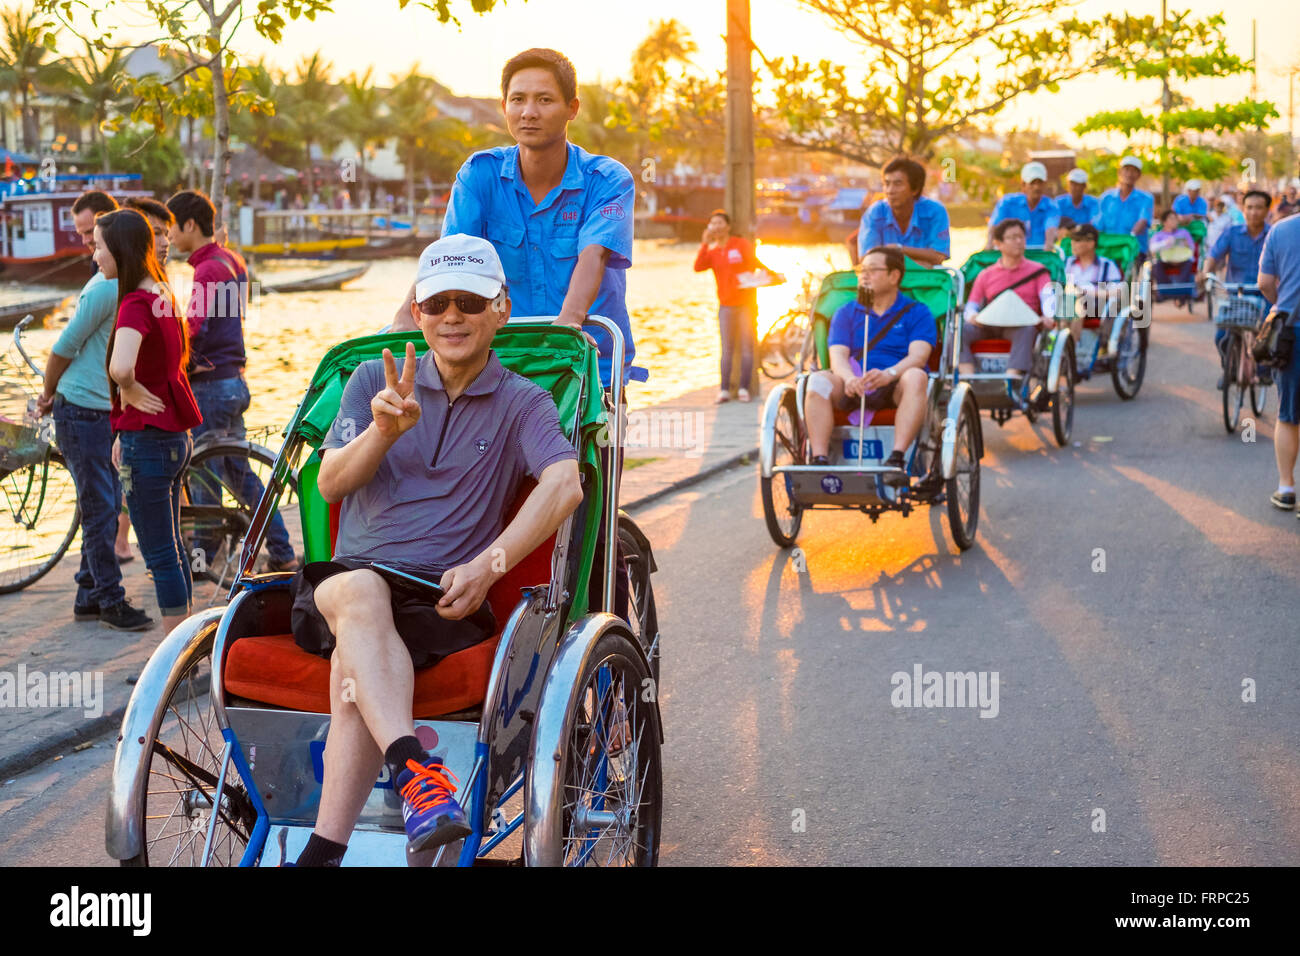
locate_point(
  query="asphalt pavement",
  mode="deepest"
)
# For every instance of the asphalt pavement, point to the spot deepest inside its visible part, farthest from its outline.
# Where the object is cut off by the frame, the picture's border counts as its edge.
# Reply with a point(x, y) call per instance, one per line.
point(1135, 595)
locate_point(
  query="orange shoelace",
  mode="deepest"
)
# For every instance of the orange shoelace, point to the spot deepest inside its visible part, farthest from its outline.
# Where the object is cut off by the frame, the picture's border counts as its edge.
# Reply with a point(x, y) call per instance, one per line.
point(429, 785)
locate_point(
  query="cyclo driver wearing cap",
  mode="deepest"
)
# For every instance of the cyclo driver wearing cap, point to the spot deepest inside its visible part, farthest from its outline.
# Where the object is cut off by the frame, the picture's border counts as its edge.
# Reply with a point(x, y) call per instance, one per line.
point(425, 464)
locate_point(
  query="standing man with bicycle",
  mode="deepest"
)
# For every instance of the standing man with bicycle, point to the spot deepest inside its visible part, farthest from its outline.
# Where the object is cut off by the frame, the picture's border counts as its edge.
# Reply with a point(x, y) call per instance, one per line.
point(216, 324)
point(1279, 281)
point(76, 390)
point(1241, 245)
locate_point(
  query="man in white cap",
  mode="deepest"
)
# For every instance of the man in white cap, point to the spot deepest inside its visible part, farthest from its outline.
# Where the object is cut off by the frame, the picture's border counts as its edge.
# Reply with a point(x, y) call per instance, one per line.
point(1076, 207)
point(1127, 209)
point(425, 464)
point(1190, 204)
point(1032, 207)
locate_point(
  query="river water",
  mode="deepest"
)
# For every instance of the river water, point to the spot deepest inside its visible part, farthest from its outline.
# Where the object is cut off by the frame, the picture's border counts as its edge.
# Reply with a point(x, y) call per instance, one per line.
point(673, 311)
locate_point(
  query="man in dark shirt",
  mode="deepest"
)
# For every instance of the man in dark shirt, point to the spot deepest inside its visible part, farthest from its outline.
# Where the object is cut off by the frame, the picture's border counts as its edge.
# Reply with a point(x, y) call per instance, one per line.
point(216, 322)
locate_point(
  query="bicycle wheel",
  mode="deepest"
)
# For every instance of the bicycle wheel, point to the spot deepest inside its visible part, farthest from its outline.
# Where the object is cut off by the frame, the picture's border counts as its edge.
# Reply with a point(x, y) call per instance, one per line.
point(223, 485)
point(184, 766)
point(1250, 373)
point(1130, 364)
point(642, 611)
point(39, 517)
point(1234, 391)
point(782, 514)
point(1063, 402)
point(779, 350)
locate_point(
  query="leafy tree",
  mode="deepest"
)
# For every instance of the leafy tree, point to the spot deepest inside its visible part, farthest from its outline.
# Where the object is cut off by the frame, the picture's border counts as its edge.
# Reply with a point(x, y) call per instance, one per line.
point(158, 159)
point(201, 31)
point(361, 116)
point(312, 98)
point(933, 68)
point(94, 84)
point(1180, 48)
point(26, 37)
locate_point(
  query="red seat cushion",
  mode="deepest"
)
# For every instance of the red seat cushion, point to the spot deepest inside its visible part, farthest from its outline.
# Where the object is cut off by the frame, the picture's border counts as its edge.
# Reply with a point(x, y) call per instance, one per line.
point(1093, 323)
point(883, 416)
point(991, 345)
point(274, 670)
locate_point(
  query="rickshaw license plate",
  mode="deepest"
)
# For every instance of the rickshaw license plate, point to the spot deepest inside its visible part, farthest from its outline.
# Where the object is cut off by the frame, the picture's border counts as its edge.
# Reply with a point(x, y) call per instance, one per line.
point(871, 448)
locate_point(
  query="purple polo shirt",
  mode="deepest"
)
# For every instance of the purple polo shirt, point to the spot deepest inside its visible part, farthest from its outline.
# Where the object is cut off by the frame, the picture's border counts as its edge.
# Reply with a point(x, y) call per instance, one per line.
point(440, 495)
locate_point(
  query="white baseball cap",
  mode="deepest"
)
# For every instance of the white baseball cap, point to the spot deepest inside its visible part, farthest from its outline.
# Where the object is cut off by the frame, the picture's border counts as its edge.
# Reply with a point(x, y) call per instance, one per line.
point(1132, 161)
point(1077, 176)
point(460, 262)
point(1031, 171)
point(1193, 185)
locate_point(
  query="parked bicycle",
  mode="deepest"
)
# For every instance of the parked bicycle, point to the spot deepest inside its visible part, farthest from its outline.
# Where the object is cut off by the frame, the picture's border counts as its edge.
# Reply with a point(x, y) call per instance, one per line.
point(788, 345)
point(40, 518)
point(1237, 308)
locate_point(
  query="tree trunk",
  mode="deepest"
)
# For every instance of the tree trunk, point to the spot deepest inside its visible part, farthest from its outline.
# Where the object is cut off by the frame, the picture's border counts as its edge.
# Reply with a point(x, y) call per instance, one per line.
point(410, 188)
point(102, 142)
point(29, 131)
point(221, 137)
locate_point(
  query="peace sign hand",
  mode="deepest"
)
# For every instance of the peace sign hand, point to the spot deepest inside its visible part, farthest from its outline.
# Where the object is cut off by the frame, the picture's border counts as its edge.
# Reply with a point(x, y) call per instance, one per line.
point(394, 410)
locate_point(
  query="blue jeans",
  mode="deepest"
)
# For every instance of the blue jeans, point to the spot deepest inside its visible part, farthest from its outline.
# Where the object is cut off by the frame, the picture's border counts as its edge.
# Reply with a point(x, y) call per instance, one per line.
point(85, 438)
point(736, 324)
point(153, 466)
point(222, 403)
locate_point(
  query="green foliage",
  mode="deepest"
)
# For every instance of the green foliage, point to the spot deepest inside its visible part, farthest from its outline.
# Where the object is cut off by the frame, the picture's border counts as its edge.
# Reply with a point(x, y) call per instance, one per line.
point(158, 159)
point(1186, 49)
point(915, 84)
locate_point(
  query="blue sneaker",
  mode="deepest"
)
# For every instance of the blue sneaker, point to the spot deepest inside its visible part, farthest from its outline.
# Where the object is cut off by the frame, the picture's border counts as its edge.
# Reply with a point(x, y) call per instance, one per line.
point(429, 809)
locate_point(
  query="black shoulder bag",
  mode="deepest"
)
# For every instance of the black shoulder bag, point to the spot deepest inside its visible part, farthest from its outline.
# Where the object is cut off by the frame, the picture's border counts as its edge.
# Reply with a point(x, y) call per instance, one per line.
point(1275, 341)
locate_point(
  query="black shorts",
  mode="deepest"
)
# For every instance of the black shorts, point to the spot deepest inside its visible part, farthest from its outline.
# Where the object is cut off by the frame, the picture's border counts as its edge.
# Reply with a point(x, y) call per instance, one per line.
point(427, 634)
point(880, 398)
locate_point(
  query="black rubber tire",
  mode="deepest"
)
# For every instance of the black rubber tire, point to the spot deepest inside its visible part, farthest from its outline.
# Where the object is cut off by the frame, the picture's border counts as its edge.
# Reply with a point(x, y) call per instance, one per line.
point(641, 597)
point(789, 449)
point(586, 746)
point(963, 528)
point(1128, 386)
point(1063, 402)
point(1233, 391)
point(23, 483)
point(185, 753)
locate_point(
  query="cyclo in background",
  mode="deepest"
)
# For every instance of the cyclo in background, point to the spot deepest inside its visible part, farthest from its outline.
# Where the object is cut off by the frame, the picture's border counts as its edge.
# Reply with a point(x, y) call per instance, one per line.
point(552, 726)
point(943, 462)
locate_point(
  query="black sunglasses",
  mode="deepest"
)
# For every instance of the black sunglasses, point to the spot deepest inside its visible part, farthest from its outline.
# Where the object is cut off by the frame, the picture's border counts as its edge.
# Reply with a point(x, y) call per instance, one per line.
point(467, 304)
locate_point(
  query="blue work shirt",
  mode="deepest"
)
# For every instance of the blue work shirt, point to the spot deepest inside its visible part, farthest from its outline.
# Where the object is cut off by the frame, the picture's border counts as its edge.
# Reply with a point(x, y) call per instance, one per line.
point(1086, 211)
point(539, 243)
point(1037, 219)
point(1242, 251)
point(1185, 205)
point(928, 228)
point(1281, 258)
point(850, 323)
point(1121, 215)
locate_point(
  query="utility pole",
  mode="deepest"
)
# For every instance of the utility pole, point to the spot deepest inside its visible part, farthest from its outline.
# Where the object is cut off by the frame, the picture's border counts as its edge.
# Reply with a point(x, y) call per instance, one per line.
point(740, 120)
point(740, 147)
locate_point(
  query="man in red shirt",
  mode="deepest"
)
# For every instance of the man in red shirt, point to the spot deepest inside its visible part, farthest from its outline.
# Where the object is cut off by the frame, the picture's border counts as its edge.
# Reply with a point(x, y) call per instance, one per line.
point(733, 261)
point(216, 322)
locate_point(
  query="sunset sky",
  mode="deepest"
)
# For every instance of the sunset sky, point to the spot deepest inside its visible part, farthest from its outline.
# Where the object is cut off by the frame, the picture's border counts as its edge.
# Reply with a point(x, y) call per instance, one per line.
point(600, 37)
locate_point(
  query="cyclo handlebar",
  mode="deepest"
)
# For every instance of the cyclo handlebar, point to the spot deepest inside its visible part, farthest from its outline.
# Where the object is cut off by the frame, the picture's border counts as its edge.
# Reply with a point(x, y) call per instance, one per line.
point(18, 344)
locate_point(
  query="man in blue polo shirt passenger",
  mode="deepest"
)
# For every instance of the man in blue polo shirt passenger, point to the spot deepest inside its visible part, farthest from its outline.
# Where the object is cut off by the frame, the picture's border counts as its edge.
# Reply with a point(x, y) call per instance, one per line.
point(896, 373)
point(904, 219)
point(1075, 207)
point(1240, 246)
point(1033, 207)
point(1127, 209)
point(1191, 204)
point(425, 465)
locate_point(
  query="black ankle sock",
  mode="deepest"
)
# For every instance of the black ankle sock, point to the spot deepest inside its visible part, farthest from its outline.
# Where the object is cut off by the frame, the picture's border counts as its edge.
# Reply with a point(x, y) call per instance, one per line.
point(322, 852)
point(401, 750)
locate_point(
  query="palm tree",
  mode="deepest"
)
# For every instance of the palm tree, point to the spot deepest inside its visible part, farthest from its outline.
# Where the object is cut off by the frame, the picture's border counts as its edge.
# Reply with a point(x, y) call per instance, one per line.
point(22, 67)
point(261, 127)
point(414, 123)
point(310, 110)
point(361, 117)
point(94, 87)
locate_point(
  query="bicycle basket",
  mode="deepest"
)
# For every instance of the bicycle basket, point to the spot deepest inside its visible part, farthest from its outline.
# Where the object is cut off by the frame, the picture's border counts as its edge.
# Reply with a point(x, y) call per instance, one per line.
point(1239, 311)
point(20, 445)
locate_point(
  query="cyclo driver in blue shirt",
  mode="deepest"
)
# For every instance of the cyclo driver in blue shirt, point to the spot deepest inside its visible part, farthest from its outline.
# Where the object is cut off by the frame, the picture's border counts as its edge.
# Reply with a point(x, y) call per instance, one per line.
point(1240, 246)
point(1038, 211)
point(904, 219)
point(425, 464)
point(895, 376)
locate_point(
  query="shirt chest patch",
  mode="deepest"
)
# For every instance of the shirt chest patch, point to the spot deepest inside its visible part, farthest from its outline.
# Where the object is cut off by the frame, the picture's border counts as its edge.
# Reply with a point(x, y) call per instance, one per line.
point(733, 255)
point(570, 214)
point(482, 445)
